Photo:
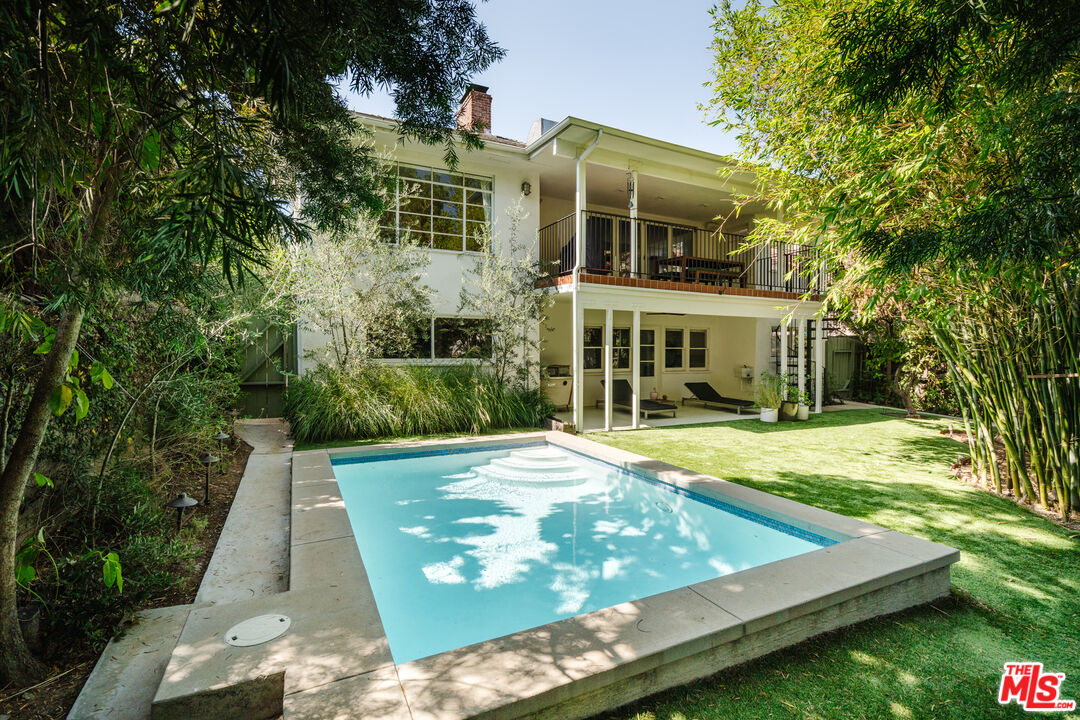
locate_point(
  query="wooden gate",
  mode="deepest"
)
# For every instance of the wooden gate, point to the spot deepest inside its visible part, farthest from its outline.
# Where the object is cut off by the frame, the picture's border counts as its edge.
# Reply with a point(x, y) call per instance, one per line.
point(269, 362)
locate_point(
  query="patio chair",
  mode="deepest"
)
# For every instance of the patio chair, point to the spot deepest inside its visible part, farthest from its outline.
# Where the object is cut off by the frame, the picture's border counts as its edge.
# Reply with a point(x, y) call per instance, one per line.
point(706, 394)
point(622, 396)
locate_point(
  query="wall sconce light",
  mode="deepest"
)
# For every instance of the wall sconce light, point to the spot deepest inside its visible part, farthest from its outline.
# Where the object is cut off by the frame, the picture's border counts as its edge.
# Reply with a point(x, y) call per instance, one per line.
point(526, 188)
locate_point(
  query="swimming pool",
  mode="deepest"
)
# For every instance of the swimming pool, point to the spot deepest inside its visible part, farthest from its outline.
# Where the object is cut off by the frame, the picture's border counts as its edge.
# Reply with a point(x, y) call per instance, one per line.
point(572, 538)
point(462, 545)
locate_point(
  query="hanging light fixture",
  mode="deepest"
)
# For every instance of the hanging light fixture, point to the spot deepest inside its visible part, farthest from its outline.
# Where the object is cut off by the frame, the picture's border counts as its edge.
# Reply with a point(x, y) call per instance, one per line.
point(629, 188)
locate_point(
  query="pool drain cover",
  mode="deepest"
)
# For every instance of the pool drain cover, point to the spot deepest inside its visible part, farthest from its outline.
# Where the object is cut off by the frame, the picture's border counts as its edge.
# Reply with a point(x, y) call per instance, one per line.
point(257, 630)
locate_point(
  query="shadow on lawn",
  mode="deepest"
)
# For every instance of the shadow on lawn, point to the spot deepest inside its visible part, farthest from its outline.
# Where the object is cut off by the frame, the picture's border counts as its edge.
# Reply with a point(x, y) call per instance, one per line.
point(839, 418)
point(1015, 592)
point(990, 532)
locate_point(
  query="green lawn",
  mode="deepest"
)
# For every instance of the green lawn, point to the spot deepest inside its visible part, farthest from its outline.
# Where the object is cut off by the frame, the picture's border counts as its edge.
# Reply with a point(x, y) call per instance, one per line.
point(1016, 590)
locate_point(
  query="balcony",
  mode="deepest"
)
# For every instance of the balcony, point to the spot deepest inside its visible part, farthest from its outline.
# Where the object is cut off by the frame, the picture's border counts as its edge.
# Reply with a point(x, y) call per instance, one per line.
point(679, 257)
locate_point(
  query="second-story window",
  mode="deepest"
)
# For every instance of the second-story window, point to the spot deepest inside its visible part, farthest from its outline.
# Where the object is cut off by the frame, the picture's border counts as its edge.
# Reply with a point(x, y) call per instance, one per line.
point(438, 208)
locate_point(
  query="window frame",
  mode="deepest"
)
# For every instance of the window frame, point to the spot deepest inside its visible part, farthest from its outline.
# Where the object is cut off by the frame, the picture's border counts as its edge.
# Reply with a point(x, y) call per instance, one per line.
point(431, 358)
point(586, 348)
point(681, 348)
point(641, 347)
point(615, 347)
point(690, 348)
point(469, 186)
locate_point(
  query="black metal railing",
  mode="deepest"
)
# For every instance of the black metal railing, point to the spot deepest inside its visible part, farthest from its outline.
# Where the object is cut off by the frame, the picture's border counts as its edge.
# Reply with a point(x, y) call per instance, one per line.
point(668, 251)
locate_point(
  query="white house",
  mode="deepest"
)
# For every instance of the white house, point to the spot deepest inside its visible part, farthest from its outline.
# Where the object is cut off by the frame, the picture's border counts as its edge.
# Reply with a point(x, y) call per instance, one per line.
point(658, 296)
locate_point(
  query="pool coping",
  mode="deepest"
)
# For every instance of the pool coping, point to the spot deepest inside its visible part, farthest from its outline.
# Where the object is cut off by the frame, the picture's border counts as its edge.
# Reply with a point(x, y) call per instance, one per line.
point(335, 659)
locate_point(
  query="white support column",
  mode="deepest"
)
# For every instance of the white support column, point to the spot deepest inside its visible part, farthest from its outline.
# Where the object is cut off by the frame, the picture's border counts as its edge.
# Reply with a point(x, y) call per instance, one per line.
point(578, 343)
point(635, 364)
point(800, 344)
point(783, 356)
point(578, 309)
point(634, 262)
point(819, 362)
point(608, 332)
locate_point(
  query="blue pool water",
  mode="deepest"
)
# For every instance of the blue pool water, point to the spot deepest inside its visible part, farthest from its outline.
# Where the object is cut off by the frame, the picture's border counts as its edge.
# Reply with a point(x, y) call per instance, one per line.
point(465, 546)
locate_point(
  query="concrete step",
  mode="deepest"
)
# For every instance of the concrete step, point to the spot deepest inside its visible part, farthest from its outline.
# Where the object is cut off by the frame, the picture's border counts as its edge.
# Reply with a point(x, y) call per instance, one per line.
point(126, 676)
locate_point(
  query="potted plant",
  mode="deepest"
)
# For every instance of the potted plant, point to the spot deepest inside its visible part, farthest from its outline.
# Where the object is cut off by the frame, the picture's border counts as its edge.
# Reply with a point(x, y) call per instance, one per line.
point(803, 412)
point(768, 394)
point(653, 395)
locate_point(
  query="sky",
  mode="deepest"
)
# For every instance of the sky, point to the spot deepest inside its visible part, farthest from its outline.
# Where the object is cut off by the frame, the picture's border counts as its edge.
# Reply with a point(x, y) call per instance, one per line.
point(634, 65)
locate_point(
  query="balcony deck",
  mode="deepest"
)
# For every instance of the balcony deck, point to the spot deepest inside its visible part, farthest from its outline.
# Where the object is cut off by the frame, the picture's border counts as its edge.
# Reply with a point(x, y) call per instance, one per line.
point(655, 284)
point(681, 258)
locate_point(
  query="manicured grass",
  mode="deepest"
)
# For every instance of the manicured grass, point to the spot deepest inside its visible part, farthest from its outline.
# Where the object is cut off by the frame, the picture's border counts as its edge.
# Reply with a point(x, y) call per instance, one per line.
point(1016, 590)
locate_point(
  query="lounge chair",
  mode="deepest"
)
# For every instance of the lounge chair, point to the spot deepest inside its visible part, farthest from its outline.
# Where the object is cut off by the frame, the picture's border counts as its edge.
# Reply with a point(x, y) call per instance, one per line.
point(622, 396)
point(704, 393)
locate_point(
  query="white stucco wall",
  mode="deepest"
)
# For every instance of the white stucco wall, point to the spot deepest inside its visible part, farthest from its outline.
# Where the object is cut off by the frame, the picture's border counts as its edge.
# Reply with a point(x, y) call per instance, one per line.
point(447, 270)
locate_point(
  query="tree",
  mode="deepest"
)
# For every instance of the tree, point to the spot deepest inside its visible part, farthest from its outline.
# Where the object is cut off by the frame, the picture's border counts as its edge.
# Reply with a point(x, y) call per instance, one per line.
point(927, 149)
point(143, 142)
point(502, 289)
point(365, 295)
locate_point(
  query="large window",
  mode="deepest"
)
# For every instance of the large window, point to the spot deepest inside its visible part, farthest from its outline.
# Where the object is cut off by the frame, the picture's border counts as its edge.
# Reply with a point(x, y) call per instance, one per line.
point(438, 208)
point(450, 338)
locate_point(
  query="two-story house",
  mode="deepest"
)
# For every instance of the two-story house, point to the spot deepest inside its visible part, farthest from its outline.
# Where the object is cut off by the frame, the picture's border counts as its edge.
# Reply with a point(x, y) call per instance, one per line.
point(660, 294)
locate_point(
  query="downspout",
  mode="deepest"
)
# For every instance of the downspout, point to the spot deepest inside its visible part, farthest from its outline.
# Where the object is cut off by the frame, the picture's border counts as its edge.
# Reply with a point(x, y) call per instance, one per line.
point(578, 324)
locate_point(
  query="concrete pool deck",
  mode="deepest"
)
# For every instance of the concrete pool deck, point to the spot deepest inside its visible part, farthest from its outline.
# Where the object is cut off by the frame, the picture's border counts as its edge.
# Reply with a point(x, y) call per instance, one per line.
point(335, 662)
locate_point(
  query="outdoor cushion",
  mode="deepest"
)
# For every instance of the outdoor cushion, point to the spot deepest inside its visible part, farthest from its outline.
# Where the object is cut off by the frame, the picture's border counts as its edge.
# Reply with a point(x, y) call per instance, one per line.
point(707, 393)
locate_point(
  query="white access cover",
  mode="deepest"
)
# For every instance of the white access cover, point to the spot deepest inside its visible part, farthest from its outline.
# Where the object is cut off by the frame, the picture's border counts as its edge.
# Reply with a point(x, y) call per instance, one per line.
point(257, 630)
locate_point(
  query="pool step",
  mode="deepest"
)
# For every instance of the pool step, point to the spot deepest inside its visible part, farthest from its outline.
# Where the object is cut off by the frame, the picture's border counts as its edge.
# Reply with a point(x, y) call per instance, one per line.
point(526, 464)
point(535, 466)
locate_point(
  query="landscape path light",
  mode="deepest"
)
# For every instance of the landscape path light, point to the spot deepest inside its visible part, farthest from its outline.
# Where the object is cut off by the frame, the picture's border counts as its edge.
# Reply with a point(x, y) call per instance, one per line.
point(180, 502)
point(221, 437)
point(207, 460)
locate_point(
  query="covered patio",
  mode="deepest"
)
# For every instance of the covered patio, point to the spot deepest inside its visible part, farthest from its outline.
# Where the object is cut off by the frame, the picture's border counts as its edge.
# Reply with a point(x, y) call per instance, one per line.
point(618, 348)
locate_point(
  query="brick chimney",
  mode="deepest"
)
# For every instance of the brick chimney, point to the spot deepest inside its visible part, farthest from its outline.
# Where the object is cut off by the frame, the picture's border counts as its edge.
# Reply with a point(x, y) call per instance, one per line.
point(475, 111)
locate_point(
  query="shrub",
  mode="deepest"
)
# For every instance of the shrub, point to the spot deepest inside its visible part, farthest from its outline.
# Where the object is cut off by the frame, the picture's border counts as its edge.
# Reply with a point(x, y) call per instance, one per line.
point(130, 522)
point(375, 400)
point(770, 390)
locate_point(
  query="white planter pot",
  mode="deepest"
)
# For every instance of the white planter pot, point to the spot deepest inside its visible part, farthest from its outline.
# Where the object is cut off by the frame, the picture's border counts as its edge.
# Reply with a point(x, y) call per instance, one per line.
point(769, 415)
point(804, 412)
